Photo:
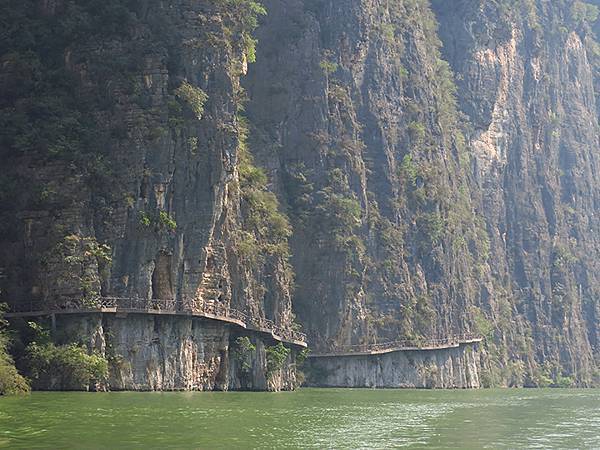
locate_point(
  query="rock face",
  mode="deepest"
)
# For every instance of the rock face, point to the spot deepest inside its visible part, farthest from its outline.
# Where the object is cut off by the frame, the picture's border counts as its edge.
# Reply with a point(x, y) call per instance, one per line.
point(162, 353)
point(430, 169)
point(430, 217)
point(455, 368)
point(526, 84)
point(126, 171)
point(361, 133)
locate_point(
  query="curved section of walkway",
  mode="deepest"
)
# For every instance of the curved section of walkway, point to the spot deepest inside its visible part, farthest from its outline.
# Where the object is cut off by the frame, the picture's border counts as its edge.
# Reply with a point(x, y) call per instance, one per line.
point(400, 346)
point(124, 306)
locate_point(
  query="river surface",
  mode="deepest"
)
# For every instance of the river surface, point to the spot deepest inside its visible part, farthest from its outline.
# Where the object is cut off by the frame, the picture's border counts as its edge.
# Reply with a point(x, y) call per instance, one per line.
point(308, 418)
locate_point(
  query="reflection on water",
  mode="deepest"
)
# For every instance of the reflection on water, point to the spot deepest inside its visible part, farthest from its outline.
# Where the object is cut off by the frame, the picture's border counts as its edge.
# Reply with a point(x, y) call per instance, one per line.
point(309, 418)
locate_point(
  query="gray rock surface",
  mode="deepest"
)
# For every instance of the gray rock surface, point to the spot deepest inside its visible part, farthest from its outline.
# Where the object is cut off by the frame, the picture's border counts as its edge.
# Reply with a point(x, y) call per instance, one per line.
point(437, 161)
point(167, 353)
point(455, 368)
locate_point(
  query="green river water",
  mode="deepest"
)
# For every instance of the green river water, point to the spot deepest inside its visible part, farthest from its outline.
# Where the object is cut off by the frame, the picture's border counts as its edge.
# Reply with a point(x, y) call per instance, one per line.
point(308, 418)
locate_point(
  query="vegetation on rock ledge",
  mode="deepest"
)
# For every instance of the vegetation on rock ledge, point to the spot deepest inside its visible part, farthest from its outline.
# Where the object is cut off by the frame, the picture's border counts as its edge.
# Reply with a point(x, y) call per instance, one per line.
point(11, 381)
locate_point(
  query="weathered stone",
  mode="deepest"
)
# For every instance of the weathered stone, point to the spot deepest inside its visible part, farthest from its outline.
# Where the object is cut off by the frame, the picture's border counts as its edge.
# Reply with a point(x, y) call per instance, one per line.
point(454, 368)
point(171, 353)
point(418, 210)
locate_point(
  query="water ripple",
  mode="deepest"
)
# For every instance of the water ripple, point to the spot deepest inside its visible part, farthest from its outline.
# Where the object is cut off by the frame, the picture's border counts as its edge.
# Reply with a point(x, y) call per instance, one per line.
point(328, 418)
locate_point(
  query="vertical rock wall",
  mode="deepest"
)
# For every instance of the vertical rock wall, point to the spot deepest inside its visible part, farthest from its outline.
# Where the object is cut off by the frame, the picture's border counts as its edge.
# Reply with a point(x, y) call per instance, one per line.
point(437, 180)
point(428, 216)
point(174, 353)
point(126, 174)
point(354, 115)
point(454, 368)
point(526, 78)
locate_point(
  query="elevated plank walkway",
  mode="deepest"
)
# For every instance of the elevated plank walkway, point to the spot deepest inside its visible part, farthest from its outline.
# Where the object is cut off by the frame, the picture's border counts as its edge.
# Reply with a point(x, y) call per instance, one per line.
point(400, 346)
point(124, 306)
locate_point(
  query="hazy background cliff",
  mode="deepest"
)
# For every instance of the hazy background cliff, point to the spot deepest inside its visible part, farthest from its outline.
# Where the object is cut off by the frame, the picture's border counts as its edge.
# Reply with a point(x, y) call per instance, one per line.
point(526, 78)
point(429, 216)
point(430, 168)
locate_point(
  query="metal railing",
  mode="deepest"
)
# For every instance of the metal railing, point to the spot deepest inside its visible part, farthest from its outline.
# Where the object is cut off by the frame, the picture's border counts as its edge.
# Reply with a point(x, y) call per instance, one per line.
point(217, 311)
point(403, 344)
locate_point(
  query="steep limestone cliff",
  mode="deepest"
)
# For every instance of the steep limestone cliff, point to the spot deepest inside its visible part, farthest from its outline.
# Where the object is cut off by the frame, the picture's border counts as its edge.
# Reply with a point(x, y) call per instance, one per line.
point(355, 116)
point(430, 169)
point(125, 169)
point(525, 77)
point(427, 218)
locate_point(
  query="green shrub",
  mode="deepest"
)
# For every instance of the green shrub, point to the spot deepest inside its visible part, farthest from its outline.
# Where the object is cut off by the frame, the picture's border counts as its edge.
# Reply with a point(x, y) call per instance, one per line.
point(584, 12)
point(243, 351)
point(342, 213)
point(268, 229)
point(276, 356)
point(302, 356)
point(483, 327)
point(160, 220)
point(11, 382)
point(250, 175)
point(417, 131)
point(193, 144)
point(248, 246)
point(245, 14)
point(409, 171)
point(145, 220)
point(328, 67)
point(193, 96)
point(541, 378)
point(70, 260)
point(167, 221)
point(562, 256)
point(70, 366)
point(76, 249)
point(563, 381)
point(432, 227)
point(244, 344)
point(388, 31)
point(251, 10)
